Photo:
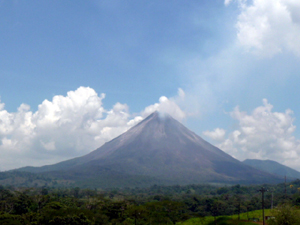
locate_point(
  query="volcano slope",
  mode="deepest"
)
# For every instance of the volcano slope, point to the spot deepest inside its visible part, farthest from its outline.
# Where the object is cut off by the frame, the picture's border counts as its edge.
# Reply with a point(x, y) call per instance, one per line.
point(158, 150)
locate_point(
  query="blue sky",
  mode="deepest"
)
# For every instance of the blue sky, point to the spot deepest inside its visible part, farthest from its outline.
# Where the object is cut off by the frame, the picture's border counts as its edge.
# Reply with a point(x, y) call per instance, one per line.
point(58, 58)
point(125, 49)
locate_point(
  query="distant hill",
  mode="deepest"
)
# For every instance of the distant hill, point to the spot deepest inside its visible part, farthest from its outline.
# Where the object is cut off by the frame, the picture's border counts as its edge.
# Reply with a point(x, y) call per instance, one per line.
point(273, 168)
point(158, 150)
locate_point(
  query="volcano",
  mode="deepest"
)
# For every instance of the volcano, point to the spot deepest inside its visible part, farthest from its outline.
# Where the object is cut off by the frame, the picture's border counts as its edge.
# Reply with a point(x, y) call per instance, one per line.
point(158, 150)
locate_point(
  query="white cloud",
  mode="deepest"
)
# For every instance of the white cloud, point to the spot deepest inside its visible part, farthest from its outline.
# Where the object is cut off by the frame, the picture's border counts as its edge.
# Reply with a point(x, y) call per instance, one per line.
point(218, 134)
point(268, 27)
point(170, 106)
point(263, 134)
point(227, 2)
point(66, 127)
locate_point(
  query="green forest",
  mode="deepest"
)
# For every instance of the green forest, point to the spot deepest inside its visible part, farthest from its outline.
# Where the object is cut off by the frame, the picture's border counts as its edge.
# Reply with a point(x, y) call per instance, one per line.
point(203, 204)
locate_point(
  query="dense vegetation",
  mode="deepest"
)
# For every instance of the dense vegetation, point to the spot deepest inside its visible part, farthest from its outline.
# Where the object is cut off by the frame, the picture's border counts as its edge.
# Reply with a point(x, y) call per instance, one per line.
point(154, 205)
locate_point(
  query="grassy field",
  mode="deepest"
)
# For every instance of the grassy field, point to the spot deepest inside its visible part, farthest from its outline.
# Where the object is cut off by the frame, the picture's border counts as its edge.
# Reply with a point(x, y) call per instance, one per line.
point(227, 220)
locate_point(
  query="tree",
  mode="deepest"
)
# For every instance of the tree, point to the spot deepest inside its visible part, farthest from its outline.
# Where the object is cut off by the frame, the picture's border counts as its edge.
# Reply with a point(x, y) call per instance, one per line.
point(70, 220)
point(217, 209)
point(285, 215)
point(22, 204)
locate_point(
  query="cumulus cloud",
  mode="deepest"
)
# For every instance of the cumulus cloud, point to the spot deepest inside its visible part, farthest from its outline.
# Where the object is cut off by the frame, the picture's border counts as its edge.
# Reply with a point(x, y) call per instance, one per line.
point(268, 27)
point(263, 134)
point(66, 127)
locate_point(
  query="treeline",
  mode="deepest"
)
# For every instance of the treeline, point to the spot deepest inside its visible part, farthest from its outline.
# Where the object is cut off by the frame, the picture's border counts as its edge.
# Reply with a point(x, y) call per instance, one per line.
point(27, 179)
point(153, 205)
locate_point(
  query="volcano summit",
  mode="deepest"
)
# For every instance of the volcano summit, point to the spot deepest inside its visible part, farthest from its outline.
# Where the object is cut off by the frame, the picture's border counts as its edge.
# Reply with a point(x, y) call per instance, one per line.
point(158, 150)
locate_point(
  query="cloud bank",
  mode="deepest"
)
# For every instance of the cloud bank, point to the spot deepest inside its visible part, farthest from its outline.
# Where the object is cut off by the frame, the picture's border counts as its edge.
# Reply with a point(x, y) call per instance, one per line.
point(262, 134)
point(269, 27)
point(68, 126)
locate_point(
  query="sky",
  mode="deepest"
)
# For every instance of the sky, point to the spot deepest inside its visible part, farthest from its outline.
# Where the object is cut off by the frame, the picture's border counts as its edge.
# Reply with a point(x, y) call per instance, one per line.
point(76, 74)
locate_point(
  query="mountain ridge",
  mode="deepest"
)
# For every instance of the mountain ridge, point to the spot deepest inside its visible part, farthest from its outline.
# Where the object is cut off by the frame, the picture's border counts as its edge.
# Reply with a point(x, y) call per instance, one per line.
point(273, 167)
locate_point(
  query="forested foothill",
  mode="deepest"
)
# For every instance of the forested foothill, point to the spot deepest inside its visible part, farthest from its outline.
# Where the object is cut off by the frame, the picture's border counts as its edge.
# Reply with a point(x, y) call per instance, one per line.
point(153, 205)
